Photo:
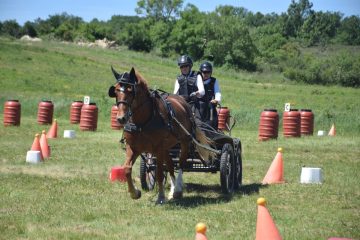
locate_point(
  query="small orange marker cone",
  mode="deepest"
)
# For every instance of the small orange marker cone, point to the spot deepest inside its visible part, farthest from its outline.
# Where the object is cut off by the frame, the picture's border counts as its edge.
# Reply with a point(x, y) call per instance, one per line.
point(45, 148)
point(265, 226)
point(36, 145)
point(52, 133)
point(332, 131)
point(275, 174)
point(200, 229)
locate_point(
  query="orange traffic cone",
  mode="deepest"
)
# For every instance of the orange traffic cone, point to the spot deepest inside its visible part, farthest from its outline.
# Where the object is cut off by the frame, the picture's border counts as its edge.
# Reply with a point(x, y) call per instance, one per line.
point(265, 226)
point(52, 133)
point(45, 148)
point(275, 174)
point(332, 131)
point(36, 145)
point(200, 231)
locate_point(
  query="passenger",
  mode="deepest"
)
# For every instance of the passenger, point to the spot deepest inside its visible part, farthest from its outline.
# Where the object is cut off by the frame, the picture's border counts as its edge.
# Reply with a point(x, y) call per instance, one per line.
point(211, 98)
point(189, 84)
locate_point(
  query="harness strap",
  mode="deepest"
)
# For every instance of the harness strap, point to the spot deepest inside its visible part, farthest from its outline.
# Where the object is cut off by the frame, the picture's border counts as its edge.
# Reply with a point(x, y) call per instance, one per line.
point(167, 105)
point(154, 122)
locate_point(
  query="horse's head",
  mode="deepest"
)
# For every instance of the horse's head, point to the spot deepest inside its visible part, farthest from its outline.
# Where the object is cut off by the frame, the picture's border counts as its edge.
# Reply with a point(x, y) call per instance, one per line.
point(124, 91)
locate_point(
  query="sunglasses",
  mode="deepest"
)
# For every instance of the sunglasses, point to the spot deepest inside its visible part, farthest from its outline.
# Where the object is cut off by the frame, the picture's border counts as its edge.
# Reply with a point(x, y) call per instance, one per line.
point(184, 66)
point(206, 72)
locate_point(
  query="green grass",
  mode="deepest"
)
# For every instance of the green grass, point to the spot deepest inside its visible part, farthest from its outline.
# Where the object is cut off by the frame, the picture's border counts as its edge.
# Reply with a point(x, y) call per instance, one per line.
point(69, 196)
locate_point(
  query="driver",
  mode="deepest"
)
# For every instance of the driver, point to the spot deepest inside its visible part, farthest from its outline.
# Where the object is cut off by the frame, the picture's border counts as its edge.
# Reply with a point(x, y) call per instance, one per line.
point(189, 84)
point(211, 98)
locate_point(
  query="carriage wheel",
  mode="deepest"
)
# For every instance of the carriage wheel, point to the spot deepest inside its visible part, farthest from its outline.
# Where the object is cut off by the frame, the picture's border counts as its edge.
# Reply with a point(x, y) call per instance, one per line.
point(147, 171)
point(238, 167)
point(227, 169)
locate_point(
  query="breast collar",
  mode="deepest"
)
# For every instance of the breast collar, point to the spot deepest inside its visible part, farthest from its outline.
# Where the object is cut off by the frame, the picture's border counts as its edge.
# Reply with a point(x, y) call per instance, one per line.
point(155, 121)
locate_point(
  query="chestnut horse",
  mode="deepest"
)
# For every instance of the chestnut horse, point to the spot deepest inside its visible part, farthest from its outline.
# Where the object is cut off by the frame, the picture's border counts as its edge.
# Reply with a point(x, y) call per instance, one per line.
point(155, 124)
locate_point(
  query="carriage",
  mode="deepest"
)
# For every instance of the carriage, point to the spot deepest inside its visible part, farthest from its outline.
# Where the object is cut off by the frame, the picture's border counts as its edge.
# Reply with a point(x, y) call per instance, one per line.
point(160, 124)
point(228, 161)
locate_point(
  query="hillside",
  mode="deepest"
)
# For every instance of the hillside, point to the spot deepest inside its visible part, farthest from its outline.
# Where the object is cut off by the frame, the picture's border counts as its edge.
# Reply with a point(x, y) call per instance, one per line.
point(65, 72)
point(69, 195)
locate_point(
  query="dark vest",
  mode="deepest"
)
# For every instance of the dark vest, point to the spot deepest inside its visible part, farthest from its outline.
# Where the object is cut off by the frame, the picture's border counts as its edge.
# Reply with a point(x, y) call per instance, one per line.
point(207, 110)
point(187, 84)
point(209, 90)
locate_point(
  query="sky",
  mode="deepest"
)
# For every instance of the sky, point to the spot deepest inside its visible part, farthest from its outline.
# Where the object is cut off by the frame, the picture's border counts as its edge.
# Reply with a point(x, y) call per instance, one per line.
point(29, 10)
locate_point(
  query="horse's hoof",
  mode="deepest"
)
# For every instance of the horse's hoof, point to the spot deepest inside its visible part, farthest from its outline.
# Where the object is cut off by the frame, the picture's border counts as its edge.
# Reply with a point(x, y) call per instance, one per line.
point(178, 195)
point(160, 201)
point(136, 194)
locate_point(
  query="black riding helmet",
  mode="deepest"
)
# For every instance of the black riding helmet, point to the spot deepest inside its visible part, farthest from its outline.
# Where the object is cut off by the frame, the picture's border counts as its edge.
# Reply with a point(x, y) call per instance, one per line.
point(205, 67)
point(184, 60)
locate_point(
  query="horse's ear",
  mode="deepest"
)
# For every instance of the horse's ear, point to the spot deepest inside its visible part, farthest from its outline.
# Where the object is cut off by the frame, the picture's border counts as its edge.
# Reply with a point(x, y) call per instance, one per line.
point(116, 74)
point(111, 92)
point(133, 77)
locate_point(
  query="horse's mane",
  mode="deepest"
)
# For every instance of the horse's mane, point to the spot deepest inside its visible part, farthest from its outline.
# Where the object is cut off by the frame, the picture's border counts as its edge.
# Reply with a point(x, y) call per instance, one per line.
point(141, 81)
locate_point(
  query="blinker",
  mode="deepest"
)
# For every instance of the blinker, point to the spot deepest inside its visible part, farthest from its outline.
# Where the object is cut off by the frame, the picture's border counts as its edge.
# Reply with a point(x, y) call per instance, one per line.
point(111, 92)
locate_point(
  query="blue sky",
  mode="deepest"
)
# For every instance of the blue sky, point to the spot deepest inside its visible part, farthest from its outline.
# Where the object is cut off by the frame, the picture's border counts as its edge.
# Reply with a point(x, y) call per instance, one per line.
point(29, 10)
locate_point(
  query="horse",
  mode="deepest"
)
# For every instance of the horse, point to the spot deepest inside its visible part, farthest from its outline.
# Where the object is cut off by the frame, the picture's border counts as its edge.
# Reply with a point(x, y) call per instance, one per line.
point(154, 124)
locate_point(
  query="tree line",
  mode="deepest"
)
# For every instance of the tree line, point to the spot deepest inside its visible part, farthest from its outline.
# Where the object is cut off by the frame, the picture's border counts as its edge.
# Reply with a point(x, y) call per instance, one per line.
point(228, 36)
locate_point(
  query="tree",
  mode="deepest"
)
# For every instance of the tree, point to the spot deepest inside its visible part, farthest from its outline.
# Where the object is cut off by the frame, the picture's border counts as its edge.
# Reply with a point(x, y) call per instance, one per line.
point(320, 27)
point(159, 9)
point(95, 30)
point(187, 35)
point(349, 31)
point(69, 29)
point(227, 10)
point(297, 13)
point(29, 29)
point(229, 42)
point(268, 40)
point(137, 37)
point(12, 28)
point(159, 34)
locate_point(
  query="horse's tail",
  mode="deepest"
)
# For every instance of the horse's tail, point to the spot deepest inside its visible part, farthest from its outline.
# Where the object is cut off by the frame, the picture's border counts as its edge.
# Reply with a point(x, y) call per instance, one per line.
point(205, 154)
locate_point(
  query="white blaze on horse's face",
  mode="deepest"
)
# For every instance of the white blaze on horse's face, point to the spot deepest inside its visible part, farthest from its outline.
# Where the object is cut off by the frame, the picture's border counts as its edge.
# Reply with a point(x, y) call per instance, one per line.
point(124, 98)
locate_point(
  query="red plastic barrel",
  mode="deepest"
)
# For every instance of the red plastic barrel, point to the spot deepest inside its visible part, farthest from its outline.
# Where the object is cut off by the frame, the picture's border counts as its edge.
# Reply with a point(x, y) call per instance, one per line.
point(223, 118)
point(114, 123)
point(75, 112)
point(89, 117)
point(269, 125)
point(291, 123)
point(307, 122)
point(45, 112)
point(12, 113)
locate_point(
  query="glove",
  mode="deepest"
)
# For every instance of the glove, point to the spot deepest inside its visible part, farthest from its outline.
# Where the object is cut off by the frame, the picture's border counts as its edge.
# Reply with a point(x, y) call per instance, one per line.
point(193, 94)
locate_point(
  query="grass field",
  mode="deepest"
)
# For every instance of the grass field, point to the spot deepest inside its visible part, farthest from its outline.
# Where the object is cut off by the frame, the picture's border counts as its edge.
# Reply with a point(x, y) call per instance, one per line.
point(69, 196)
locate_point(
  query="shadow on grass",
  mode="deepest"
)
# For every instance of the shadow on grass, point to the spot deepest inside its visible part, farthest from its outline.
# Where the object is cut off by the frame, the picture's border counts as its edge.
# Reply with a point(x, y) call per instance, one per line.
point(211, 194)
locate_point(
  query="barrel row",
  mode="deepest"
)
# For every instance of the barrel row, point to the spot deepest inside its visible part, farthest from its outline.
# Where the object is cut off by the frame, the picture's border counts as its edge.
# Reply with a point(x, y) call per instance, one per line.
point(84, 114)
point(295, 123)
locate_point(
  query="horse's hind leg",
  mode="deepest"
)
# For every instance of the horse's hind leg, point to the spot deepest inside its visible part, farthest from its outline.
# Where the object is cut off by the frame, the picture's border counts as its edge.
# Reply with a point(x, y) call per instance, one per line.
point(179, 180)
point(170, 168)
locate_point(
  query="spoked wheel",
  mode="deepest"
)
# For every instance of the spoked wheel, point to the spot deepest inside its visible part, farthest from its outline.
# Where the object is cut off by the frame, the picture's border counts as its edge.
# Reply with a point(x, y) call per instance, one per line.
point(227, 169)
point(238, 164)
point(147, 171)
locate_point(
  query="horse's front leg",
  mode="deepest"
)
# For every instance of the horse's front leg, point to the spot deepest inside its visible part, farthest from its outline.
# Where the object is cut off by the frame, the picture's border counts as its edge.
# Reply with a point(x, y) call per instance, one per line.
point(178, 193)
point(129, 162)
point(161, 158)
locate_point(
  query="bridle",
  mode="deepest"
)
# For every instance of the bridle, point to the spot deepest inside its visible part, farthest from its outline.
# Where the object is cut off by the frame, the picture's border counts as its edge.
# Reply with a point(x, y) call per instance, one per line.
point(127, 103)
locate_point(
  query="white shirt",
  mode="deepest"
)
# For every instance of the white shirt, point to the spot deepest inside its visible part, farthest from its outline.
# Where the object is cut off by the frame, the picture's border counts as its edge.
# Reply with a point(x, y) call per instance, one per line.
point(216, 89)
point(199, 84)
